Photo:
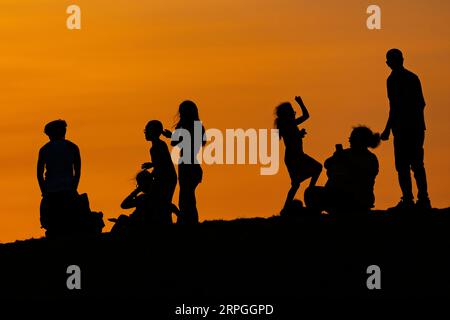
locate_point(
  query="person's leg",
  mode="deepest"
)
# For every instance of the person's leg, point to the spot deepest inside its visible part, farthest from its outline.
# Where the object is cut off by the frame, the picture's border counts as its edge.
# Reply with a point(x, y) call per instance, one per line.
point(191, 204)
point(187, 201)
point(404, 179)
point(418, 168)
point(198, 177)
point(295, 185)
point(317, 169)
point(182, 204)
point(168, 201)
point(402, 165)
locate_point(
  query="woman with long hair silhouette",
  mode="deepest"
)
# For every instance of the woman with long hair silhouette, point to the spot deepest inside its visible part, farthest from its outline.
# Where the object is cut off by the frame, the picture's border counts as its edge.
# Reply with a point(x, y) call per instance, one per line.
point(300, 166)
point(190, 173)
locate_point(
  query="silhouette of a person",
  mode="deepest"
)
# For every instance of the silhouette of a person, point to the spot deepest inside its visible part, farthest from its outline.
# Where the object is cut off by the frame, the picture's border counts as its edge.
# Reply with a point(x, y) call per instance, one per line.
point(165, 176)
point(190, 173)
point(351, 176)
point(300, 166)
point(58, 174)
point(407, 123)
point(142, 199)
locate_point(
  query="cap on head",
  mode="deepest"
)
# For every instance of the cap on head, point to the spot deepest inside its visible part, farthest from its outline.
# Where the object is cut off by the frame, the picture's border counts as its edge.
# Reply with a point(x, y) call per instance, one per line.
point(56, 129)
point(394, 58)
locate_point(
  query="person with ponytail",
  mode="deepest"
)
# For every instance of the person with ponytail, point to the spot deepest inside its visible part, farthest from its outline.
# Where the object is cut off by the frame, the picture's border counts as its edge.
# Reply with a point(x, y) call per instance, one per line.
point(165, 176)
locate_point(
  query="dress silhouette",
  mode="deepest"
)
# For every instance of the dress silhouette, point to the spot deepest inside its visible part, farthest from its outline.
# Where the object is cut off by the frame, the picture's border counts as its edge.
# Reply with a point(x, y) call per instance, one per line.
point(300, 166)
point(190, 173)
point(165, 176)
point(351, 177)
point(407, 123)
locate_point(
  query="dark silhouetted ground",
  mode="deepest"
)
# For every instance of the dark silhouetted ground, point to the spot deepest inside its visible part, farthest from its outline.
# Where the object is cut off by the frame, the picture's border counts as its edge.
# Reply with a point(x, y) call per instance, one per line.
point(252, 260)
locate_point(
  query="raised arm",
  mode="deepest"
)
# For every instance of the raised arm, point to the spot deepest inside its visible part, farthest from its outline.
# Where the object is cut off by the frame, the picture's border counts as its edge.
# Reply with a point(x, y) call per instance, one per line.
point(305, 113)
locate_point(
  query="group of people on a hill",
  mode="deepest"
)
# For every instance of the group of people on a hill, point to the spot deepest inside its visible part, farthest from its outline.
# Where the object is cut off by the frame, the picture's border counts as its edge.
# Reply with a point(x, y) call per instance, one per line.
point(59, 170)
point(351, 172)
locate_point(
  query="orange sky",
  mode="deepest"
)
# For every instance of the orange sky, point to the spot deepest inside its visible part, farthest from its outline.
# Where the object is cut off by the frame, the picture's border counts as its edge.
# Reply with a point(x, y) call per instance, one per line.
point(137, 60)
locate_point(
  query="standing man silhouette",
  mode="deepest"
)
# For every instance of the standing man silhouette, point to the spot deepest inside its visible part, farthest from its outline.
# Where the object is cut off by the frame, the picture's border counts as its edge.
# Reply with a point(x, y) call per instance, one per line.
point(407, 123)
point(58, 174)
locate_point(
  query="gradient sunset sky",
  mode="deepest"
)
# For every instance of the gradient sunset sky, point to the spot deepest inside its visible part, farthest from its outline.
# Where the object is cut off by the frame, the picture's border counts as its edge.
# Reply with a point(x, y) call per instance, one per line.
point(136, 60)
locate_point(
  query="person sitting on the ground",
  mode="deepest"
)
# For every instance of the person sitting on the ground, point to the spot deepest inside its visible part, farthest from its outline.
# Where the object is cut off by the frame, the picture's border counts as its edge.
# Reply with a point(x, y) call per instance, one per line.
point(143, 201)
point(351, 176)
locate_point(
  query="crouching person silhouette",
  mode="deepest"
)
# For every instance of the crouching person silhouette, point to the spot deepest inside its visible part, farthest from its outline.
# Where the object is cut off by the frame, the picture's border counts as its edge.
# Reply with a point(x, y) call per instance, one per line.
point(300, 166)
point(58, 174)
point(351, 177)
point(143, 200)
point(165, 176)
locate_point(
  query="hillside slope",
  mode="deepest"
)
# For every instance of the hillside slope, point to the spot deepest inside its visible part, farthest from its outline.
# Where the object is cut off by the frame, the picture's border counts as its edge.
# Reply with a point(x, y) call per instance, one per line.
point(251, 259)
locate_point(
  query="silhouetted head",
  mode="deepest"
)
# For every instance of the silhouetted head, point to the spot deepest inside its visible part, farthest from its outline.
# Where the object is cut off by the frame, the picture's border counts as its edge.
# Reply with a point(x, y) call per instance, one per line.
point(144, 180)
point(187, 112)
point(363, 138)
point(153, 130)
point(394, 59)
point(284, 112)
point(56, 129)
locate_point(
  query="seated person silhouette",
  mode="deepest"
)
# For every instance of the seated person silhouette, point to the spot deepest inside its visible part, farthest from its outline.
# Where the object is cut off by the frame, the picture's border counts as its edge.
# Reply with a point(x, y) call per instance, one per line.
point(142, 199)
point(58, 174)
point(351, 177)
point(165, 176)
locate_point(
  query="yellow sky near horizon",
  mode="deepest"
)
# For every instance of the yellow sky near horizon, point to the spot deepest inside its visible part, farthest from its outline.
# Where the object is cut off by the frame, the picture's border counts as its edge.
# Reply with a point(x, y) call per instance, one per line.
point(137, 60)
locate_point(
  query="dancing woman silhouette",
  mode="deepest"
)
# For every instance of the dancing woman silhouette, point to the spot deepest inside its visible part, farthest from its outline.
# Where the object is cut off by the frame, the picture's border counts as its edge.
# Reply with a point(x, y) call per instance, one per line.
point(300, 166)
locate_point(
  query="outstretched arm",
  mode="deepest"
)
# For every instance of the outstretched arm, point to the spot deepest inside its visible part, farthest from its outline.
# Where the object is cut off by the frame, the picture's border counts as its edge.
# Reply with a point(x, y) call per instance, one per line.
point(40, 172)
point(305, 113)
